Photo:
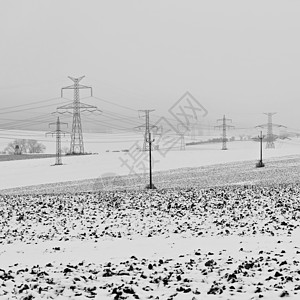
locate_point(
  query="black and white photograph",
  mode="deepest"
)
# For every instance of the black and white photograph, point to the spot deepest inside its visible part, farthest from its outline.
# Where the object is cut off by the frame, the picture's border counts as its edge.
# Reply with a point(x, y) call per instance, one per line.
point(150, 149)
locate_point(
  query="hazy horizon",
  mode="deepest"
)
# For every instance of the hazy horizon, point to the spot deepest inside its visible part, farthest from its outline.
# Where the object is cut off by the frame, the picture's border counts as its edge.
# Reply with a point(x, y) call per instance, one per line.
point(236, 58)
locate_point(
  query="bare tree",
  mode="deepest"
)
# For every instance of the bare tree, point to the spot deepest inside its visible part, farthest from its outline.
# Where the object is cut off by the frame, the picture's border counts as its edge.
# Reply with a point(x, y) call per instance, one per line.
point(34, 146)
point(26, 146)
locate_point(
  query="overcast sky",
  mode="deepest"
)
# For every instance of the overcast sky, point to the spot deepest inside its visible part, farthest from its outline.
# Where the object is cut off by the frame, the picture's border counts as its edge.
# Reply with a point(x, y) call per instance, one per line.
point(238, 58)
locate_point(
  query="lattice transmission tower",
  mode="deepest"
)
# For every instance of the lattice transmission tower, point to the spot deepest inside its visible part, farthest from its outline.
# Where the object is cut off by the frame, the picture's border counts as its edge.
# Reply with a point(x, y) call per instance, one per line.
point(182, 129)
point(148, 127)
point(77, 145)
point(270, 136)
point(224, 127)
point(58, 132)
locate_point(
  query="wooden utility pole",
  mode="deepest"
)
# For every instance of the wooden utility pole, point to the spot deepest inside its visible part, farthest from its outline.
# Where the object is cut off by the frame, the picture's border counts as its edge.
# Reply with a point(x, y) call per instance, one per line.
point(150, 141)
point(260, 163)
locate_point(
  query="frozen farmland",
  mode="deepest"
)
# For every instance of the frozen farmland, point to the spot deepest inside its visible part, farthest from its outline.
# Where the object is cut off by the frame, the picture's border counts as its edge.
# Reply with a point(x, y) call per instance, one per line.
point(227, 231)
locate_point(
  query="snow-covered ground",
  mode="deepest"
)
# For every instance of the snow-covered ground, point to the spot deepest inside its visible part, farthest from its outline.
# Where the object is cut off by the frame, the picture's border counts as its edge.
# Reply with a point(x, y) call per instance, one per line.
point(41, 171)
point(222, 243)
point(227, 243)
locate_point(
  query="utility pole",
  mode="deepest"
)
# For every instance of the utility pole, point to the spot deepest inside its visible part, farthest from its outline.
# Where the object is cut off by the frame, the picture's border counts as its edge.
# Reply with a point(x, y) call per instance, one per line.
point(224, 127)
point(77, 146)
point(58, 132)
point(150, 141)
point(260, 163)
point(270, 136)
point(147, 126)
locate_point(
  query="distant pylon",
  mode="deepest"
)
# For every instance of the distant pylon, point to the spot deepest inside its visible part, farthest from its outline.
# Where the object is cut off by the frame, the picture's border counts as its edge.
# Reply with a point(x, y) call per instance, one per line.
point(181, 131)
point(224, 127)
point(148, 127)
point(76, 146)
point(270, 136)
point(58, 132)
point(182, 142)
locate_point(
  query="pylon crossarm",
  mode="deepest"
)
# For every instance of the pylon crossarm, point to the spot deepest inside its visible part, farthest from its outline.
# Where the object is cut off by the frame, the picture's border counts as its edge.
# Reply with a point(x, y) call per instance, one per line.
point(70, 87)
point(266, 125)
point(278, 125)
point(62, 123)
point(67, 106)
point(62, 132)
point(49, 133)
point(89, 108)
point(64, 112)
point(80, 86)
point(76, 79)
point(84, 105)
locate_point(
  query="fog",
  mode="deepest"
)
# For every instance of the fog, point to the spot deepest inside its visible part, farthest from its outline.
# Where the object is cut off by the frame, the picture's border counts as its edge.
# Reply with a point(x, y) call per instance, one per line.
point(239, 58)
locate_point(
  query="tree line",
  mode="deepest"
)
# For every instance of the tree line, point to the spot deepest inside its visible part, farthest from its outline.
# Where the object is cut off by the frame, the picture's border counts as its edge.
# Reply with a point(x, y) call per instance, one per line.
point(25, 146)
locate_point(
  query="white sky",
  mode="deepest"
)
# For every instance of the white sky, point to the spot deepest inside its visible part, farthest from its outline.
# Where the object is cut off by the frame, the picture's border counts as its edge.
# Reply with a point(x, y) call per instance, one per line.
point(240, 58)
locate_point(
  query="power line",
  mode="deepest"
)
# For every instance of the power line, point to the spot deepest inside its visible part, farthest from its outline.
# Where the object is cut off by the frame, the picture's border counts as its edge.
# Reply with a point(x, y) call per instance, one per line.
point(30, 103)
point(27, 122)
point(107, 125)
point(115, 104)
point(28, 109)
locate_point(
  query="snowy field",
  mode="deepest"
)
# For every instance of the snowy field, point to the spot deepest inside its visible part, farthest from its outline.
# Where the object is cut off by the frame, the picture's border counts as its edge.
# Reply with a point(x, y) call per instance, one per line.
point(34, 172)
point(226, 241)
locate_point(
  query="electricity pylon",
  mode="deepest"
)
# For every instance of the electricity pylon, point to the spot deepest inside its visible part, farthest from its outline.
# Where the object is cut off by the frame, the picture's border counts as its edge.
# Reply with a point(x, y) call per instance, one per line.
point(270, 136)
point(224, 127)
point(76, 146)
point(181, 131)
point(58, 132)
point(147, 127)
